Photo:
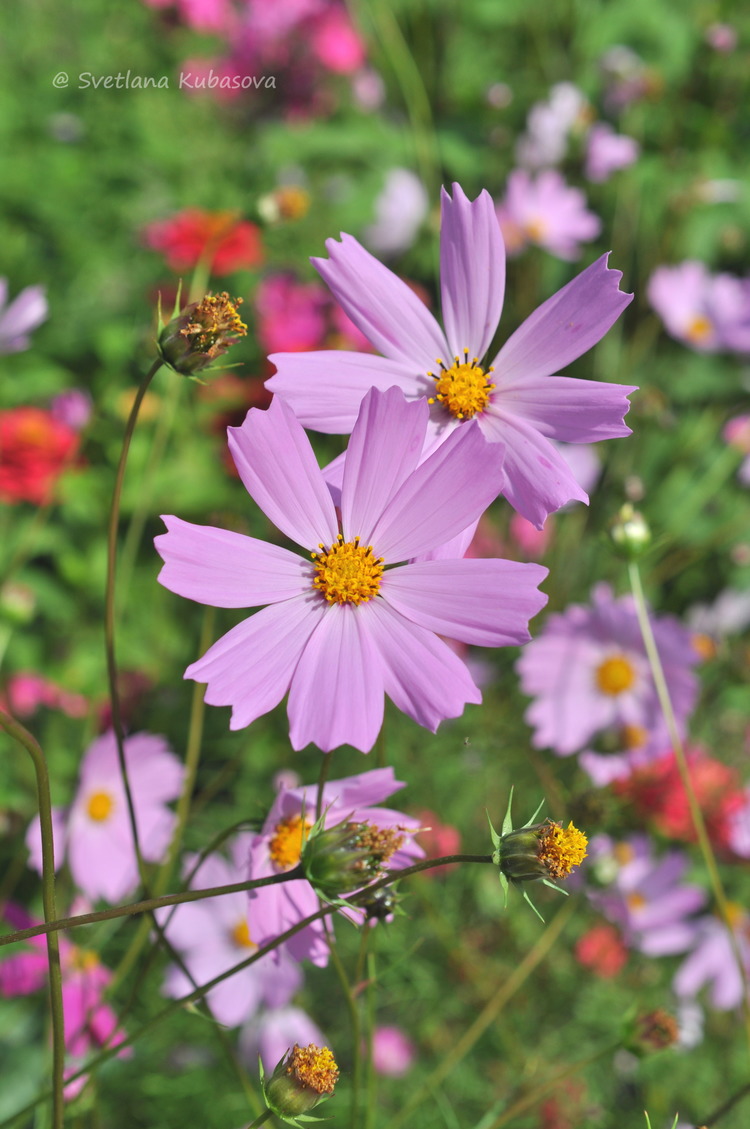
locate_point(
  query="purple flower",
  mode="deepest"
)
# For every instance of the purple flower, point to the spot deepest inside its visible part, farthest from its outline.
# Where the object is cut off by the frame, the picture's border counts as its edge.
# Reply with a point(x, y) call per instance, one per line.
point(95, 834)
point(340, 632)
point(393, 1052)
point(607, 152)
point(214, 935)
point(712, 962)
point(17, 320)
point(548, 212)
point(270, 1034)
point(588, 672)
point(279, 845)
point(73, 407)
point(707, 312)
point(645, 896)
point(518, 403)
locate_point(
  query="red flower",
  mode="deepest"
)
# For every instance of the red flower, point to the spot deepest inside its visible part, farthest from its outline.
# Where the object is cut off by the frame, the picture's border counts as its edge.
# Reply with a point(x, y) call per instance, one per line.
point(602, 950)
point(229, 243)
point(35, 448)
point(657, 793)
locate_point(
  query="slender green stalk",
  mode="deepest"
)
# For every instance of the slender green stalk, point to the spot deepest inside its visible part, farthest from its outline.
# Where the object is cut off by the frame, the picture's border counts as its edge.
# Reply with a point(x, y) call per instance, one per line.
point(371, 1078)
point(351, 1005)
point(486, 1017)
point(109, 608)
point(665, 701)
point(539, 1090)
point(325, 771)
point(264, 1116)
point(24, 738)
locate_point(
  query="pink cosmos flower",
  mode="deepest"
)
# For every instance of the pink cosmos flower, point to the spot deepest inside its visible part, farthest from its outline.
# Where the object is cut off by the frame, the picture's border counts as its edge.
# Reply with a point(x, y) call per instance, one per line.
point(608, 152)
point(712, 961)
point(545, 211)
point(515, 399)
point(278, 848)
point(25, 312)
point(399, 211)
point(393, 1052)
point(545, 140)
point(215, 934)
point(94, 833)
point(291, 314)
point(707, 312)
point(588, 672)
point(26, 692)
point(270, 1034)
point(339, 632)
point(89, 1023)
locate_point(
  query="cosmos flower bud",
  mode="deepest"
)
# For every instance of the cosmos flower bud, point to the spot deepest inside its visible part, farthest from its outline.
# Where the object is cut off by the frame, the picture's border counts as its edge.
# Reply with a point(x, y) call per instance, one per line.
point(651, 1032)
point(200, 333)
point(338, 860)
point(630, 532)
point(305, 1077)
point(536, 851)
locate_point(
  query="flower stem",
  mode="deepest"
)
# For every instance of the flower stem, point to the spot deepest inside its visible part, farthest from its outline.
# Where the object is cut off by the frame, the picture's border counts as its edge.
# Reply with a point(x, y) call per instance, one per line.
point(662, 691)
point(23, 737)
point(356, 1044)
point(264, 1116)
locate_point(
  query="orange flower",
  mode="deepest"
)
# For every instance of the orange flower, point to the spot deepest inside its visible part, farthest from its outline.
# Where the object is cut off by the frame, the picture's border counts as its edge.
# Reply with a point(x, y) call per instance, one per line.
point(227, 242)
point(35, 449)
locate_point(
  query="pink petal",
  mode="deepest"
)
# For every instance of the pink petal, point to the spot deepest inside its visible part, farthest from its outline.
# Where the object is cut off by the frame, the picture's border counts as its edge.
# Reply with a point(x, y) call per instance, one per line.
point(484, 602)
point(472, 271)
point(276, 463)
point(102, 865)
point(447, 492)
point(250, 667)
point(227, 570)
point(421, 674)
point(538, 479)
point(564, 326)
point(383, 307)
point(569, 410)
point(383, 451)
point(336, 696)
point(326, 387)
point(34, 839)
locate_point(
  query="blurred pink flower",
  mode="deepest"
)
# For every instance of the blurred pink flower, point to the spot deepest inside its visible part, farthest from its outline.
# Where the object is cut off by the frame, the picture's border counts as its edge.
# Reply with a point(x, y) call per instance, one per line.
point(712, 961)
point(722, 37)
point(399, 212)
point(705, 311)
point(94, 833)
point(437, 839)
point(214, 935)
point(291, 314)
point(601, 949)
point(737, 434)
point(202, 15)
point(545, 211)
point(607, 152)
point(271, 1033)
point(545, 140)
point(26, 692)
point(72, 407)
point(531, 542)
point(336, 43)
point(25, 312)
point(393, 1052)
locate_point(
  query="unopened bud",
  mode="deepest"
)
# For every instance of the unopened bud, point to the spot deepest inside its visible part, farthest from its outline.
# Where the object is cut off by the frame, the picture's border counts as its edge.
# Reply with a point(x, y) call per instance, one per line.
point(305, 1077)
point(202, 332)
point(651, 1032)
point(338, 860)
point(630, 532)
point(546, 850)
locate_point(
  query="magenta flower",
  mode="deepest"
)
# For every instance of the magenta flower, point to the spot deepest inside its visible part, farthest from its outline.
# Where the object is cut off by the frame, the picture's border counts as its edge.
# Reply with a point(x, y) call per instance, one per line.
point(340, 632)
point(514, 398)
point(95, 834)
point(608, 152)
point(588, 672)
point(712, 962)
point(25, 312)
point(548, 212)
point(89, 1023)
point(393, 1052)
point(704, 311)
point(278, 848)
point(645, 896)
point(214, 935)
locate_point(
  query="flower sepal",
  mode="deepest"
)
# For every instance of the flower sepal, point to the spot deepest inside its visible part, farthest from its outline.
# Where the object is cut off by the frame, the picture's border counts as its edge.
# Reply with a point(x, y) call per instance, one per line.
point(346, 857)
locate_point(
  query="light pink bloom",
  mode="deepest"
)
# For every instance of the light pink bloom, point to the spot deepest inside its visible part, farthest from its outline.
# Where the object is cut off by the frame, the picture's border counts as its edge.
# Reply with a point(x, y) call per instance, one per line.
point(277, 848)
point(707, 312)
point(339, 651)
point(545, 211)
point(712, 962)
point(549, 124)
point(271, 1033)
point(214, 935)
point(72, 407)
point(399, 212)
point(608, 152)
point(94, 833)
point(25, 312)
point(722, 37)
point(27, 692)
point(526, 405)
point(393, 1052)
point(335, 42)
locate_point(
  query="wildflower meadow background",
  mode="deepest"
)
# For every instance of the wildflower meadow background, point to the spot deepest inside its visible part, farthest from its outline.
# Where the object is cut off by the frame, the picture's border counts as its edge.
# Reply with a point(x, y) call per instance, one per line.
point(375, 447)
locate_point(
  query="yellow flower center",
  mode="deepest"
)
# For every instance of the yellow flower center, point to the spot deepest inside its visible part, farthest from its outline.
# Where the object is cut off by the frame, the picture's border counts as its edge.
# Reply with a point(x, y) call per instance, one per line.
point(314, 1067)
point(535, 229)
point(100, 806)
point(615, 675)
point(214, 320)
point(241, 936)
point(286, 845)
point(704, 646)
point(735, 914)
point(347, 573)
point(561, 848)
point(82, 960)
point(633, 736)
point(636, 901)
point(464, 388)
point(624, 853)
point(699, 329)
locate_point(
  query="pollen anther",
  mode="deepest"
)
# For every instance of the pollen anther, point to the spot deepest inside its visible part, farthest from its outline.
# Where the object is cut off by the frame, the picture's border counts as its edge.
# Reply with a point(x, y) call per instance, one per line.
point(464, 388)
point(347, 573)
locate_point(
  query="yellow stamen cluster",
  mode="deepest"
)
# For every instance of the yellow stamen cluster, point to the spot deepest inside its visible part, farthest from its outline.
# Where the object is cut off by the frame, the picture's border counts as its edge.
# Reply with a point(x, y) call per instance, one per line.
point(699, 329)
point(380, 843)
point(100, 806)
point(464, 388)
point(633, 736)
point(240, 936)
point(615, 675)
point(560, 849)
point(285, 847)
point(535, 229)
point(347, 573)
point(313, 1067)
point(215, 324)
point(81, 960)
